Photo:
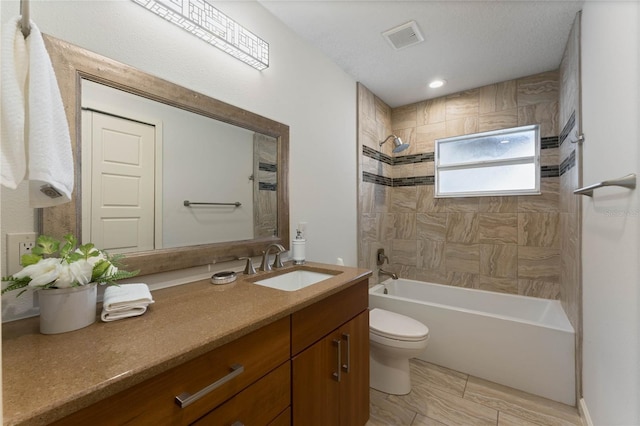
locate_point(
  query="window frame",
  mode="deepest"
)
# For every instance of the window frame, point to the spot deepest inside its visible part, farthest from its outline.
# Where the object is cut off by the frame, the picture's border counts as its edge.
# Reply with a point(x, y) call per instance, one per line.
point(530, 159)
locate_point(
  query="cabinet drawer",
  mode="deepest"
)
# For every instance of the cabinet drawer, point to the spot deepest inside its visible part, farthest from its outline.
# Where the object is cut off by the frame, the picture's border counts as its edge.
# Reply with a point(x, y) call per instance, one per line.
point(258, 404)
point(155, 399)
point(316, 321)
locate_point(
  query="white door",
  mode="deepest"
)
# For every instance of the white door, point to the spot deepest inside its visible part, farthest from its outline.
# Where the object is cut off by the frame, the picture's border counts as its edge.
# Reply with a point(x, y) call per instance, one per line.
point(122, 183)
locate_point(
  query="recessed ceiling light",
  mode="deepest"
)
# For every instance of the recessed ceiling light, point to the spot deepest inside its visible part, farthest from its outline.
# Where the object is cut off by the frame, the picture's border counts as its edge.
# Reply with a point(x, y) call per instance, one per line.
point(437, 83)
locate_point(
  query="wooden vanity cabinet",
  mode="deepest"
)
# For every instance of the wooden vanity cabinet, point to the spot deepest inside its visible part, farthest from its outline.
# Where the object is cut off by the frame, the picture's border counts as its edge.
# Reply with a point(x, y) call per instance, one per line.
point(330, 360)
point(264, 356)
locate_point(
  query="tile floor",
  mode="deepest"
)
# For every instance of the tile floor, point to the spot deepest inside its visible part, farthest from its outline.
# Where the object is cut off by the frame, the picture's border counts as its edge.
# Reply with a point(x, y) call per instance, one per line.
point(441, 396)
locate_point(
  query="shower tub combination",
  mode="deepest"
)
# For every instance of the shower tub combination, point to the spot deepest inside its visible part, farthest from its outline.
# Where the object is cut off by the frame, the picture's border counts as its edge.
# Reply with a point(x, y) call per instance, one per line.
point(522, 342)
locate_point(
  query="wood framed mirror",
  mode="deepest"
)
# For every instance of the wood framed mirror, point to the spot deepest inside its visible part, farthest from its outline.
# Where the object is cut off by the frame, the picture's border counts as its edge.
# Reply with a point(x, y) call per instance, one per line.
point(72, 65)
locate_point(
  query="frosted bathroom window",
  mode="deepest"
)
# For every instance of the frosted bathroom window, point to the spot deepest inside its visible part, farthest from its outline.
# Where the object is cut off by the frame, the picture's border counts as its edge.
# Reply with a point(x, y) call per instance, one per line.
point(502, 162)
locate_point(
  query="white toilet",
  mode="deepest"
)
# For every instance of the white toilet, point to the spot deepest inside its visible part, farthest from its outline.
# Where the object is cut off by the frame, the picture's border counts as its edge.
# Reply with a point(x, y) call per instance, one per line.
point(394, 339)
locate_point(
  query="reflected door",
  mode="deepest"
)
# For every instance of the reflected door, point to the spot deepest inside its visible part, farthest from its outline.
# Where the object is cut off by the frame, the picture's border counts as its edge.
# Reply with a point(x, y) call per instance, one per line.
point(122, 183)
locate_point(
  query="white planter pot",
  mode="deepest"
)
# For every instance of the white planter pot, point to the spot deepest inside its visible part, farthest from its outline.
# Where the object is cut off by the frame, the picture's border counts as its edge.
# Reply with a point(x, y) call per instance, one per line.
point(67, 309)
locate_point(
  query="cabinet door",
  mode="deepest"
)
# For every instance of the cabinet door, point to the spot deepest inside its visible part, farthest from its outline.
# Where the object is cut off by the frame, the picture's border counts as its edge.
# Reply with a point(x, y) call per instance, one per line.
point(354, 384)
point(316, 393)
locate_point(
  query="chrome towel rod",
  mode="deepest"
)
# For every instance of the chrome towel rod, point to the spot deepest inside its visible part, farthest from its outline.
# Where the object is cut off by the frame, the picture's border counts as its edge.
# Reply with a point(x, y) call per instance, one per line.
point(628, 181)
point(25, 26)
point(188, 203)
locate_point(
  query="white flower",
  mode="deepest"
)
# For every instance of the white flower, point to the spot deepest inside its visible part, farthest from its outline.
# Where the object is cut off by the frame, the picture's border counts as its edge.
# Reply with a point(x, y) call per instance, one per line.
point(41, 273)
point(76, 273)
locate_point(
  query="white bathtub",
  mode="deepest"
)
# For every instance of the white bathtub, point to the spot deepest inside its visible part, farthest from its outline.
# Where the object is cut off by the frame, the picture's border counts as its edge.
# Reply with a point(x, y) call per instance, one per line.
point(522, 342)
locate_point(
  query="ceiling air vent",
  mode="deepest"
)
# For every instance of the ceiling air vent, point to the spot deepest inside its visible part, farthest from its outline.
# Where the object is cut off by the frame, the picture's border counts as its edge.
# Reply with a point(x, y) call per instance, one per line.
point(403, 36)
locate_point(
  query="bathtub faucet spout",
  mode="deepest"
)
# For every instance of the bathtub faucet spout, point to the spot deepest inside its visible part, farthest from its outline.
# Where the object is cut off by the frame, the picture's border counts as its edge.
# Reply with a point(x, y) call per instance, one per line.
point(391, 274)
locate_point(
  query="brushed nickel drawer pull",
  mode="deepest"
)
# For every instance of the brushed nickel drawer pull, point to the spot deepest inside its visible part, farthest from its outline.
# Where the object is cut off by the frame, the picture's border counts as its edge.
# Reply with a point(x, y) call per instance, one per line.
point(185, 398)
point(338, 373)
point(347, 366)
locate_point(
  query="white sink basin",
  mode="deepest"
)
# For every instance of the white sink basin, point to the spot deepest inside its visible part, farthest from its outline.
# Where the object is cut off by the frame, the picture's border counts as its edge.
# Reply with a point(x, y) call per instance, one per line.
point(294, 280)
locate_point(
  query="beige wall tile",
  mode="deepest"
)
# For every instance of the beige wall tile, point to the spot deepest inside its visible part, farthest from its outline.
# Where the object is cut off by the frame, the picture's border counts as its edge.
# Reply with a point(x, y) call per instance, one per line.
point(462, 258)
point(536, 288)
point(399, 225)
point(370, 227)
point(404, 170)
point(461, 126)
point(539, 263)
point(427, 203)
point(538, 88)
point(498, 228)
point(404, 117)
point(498, 120)
point(544, 114)
point(425, 168)
point(467, 205)
point(437, 276)
point(404, 252)
point(462, 105)
point(464, 279)
point(382, 112)
point(431, 255)
point(427, 134)
point(403, 199)
point(462, 228)
point(499, 260)
point(432, 226)
point(539, 229)
point(366, 103)
point(498, 204)
point(550, 157)
point(431, 111)
point(547, 201)
point(499, 285)
point(498, 97)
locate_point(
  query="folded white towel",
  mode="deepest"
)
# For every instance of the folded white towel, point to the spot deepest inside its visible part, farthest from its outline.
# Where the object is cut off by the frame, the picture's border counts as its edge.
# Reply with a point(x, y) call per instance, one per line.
point(15, 65)
point(50, 158)
point(124, 301)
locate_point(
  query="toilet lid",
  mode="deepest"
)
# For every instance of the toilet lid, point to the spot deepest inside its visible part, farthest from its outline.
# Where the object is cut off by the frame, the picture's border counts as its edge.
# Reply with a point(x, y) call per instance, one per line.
point(396, 326)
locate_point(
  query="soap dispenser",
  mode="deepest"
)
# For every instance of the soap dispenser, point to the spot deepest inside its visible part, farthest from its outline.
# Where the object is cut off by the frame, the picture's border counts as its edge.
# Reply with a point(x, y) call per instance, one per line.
point(298, 248)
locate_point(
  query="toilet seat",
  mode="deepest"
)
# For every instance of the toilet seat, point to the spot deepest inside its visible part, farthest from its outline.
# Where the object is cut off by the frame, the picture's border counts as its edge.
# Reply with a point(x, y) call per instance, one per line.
point(396, 326)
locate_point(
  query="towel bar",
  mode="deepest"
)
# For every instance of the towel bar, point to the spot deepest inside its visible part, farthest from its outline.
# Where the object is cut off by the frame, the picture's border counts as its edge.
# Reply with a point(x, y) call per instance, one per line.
point(628, 181)
point(188, 203)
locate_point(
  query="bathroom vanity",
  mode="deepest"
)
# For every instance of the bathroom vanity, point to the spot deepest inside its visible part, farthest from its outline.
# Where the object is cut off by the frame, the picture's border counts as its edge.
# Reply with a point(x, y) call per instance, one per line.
point(203, 354)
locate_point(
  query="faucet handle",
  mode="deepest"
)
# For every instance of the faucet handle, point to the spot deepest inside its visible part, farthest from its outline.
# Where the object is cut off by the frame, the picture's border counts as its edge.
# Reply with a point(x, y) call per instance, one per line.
point(277, 263)
point(248, 269)
point(264, 266)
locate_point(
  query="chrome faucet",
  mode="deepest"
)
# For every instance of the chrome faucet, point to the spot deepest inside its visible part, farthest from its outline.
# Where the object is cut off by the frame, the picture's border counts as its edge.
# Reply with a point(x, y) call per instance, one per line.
point(277, 263)
point(391, 274)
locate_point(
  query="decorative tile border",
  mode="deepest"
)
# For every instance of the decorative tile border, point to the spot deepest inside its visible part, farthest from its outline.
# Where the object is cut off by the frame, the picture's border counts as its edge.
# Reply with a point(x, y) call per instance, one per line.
point(567, 127)
point(549, 171)
point(568, 163)
point(549, 142)
point(268, 167)
point(265, 186)
point(373, 178)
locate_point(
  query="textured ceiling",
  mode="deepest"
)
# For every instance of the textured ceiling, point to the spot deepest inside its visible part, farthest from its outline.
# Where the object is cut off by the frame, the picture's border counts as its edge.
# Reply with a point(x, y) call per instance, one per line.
point(467, 43)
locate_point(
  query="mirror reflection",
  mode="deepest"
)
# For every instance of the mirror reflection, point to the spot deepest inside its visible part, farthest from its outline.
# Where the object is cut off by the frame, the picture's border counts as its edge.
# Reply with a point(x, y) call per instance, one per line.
point(156, 176)
point(219, 153)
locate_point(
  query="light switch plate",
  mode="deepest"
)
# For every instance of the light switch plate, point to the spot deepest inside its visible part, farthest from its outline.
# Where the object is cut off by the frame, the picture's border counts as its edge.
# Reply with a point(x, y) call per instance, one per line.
point(17, 245)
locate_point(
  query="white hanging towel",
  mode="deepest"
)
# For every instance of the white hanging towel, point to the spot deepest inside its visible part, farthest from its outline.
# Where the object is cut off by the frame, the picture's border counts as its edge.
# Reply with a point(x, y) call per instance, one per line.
point(49, 161)
point(15, 64)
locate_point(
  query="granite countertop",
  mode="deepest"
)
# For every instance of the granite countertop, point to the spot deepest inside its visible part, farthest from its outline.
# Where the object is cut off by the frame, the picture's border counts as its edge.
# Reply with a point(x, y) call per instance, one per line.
point(46, 377)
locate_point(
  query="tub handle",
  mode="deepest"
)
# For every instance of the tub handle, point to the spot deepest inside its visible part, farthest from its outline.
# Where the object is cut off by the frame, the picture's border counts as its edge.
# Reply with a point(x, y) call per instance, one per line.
point(338, 373)
point(347, 366)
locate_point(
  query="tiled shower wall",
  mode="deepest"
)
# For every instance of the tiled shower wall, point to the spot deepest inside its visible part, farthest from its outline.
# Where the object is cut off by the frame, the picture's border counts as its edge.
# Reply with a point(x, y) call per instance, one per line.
point(571, 179)
point(504, 244)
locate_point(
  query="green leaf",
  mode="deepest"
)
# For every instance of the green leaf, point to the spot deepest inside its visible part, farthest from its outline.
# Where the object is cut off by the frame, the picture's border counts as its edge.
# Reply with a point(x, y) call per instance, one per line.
point(99, 269)
point(29, 259)
point(69, 246)
point(16, 284)
point(45, 245)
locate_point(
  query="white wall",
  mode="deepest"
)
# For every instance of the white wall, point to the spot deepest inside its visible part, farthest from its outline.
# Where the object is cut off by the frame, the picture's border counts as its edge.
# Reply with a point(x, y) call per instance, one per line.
point(301, 88)
point(192, 168)
point(611, 231)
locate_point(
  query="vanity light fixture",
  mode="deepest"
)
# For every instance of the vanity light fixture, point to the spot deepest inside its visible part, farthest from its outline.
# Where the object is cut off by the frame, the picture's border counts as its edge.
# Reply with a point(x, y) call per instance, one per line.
point(437, 83)
point(209, 24)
